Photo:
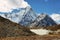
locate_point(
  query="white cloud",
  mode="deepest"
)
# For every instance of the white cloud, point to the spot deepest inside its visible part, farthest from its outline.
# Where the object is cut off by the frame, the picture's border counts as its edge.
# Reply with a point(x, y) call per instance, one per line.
point(56, 17)
point(7, 5)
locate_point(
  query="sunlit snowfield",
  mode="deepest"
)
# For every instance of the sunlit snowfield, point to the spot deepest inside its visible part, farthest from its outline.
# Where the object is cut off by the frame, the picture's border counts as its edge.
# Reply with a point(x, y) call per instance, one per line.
point(40, 31)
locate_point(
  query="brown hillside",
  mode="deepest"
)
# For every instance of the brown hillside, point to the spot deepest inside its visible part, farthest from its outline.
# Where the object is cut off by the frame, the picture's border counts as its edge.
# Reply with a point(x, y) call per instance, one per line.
point(10, 29)
point(54, 28)
point(46, 37)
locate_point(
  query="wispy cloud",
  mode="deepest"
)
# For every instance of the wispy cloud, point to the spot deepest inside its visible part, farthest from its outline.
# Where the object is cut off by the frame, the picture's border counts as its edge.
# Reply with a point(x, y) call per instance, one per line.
point(56, 17)
point(7, 5)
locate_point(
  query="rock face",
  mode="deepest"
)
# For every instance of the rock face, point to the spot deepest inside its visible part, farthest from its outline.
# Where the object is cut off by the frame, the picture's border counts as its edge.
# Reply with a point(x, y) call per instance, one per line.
point(10, 29)
point(43, 20)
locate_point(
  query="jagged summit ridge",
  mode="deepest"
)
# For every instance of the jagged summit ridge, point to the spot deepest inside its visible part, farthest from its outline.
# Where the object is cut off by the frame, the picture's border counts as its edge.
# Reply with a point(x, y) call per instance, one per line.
point(43, 20)
point(29, 16)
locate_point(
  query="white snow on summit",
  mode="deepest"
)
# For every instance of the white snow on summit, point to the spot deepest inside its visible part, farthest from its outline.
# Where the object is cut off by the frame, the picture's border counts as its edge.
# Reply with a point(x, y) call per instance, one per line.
point(21, 15)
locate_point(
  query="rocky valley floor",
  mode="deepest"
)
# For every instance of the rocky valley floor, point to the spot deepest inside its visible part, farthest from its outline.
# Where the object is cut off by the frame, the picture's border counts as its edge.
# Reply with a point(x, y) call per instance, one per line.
point(36, 37)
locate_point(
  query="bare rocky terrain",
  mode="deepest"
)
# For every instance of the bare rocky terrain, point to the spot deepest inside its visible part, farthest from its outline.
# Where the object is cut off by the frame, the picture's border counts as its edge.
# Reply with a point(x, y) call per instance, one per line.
point(45, 37)
point(13, 31)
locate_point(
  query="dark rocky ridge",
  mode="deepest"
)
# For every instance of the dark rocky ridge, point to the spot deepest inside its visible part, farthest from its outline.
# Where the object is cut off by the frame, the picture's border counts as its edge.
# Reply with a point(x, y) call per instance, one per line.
point(43, 20)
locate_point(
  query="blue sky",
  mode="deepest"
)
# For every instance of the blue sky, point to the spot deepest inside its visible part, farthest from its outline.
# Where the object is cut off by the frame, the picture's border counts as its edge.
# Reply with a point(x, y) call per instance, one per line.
point(47, 6)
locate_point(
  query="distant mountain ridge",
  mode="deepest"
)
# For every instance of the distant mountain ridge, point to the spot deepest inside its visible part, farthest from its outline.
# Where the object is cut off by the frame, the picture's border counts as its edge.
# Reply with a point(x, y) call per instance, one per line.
point(27, 17)
point(43, 20)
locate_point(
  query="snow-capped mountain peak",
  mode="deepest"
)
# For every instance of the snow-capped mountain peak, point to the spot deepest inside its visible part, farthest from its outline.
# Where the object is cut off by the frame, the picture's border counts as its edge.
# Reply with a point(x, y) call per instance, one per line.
point(43, 20)
point(41, 16)
point(22, 16)
point(26, 16)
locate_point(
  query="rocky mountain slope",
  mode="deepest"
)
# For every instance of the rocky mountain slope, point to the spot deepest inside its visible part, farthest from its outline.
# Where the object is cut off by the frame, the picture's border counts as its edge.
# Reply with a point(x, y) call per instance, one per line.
point(23, 16)
point(28, 18)
point(43, 20)
point(11, 29)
